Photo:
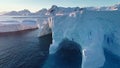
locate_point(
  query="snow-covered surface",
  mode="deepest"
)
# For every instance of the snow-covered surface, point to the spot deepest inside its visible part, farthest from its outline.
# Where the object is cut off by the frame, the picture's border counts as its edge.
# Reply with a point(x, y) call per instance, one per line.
point(93, 30)
point(7, 24)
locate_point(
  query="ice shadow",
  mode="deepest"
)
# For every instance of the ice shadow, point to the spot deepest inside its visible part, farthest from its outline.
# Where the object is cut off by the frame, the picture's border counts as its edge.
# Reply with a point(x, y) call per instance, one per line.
point(68, 55)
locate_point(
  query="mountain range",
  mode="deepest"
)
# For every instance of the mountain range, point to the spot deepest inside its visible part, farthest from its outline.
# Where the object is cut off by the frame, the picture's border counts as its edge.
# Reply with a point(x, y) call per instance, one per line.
point(63, 10)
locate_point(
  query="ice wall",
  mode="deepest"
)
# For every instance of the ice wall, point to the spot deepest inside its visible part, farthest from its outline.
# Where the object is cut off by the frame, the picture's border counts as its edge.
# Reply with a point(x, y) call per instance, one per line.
point(93, 30)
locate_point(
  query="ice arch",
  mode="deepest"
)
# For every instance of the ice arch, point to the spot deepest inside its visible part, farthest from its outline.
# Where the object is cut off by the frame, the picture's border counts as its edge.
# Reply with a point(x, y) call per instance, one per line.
point(93, 30)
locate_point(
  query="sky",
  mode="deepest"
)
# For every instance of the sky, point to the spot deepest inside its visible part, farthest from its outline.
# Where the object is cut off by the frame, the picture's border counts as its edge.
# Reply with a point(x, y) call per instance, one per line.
point(35, 5)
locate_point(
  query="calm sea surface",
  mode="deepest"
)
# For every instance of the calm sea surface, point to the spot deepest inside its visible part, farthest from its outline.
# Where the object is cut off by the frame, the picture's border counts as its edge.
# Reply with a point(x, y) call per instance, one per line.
point(23, 49)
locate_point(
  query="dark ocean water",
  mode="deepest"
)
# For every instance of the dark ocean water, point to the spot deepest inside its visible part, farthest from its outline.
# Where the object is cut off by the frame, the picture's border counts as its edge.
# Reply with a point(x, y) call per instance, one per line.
point(23, 49)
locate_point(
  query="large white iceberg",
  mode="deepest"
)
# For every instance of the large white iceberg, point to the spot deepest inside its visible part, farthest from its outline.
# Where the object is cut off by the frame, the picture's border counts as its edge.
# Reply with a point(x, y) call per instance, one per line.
point(12, 26)
point(93, 30)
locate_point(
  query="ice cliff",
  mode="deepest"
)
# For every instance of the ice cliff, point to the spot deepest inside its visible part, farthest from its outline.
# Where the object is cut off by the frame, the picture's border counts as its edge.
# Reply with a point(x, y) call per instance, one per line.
point(46, 27)
point(94, 31)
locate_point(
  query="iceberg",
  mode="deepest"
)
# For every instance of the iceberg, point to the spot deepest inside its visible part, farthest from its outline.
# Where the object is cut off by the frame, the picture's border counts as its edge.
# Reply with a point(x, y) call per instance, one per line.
point(45, 29)
point(12, 26)
point(94, 31)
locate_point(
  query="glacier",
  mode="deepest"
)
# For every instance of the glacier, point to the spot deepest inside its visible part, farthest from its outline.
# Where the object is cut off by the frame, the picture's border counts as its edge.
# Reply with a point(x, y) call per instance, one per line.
point(94, 31)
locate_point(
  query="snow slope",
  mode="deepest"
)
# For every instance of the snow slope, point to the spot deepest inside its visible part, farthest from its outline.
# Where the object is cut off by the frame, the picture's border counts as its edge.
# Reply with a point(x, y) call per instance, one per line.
point(93, 30)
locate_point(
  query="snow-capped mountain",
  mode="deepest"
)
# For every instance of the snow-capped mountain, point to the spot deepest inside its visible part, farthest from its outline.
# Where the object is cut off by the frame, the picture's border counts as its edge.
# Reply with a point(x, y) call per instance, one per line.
point(115, 7)
point(55, 10)
point(11, 13)
point(41, 12)
point(24, 12)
